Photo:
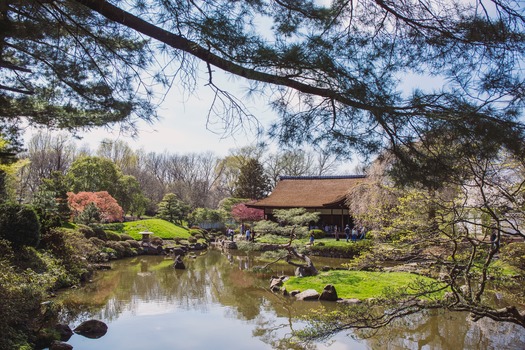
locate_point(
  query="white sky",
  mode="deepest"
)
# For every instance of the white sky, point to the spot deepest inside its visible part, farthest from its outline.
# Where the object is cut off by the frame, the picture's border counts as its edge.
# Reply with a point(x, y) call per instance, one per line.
point(183, 126)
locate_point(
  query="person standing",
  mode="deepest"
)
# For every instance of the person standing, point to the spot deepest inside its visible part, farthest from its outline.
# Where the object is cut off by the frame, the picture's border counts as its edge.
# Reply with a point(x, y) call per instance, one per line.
point(354, 234)
point(248, 234)
point(312, 237)
point(347, 232)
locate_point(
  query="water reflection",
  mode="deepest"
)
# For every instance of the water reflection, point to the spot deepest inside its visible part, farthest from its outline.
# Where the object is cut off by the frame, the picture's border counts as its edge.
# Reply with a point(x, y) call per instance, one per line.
point(216, 303)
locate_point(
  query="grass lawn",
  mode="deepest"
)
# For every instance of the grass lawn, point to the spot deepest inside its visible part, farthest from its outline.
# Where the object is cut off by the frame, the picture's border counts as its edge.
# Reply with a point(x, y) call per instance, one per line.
point(355, 284)
point(159, 227)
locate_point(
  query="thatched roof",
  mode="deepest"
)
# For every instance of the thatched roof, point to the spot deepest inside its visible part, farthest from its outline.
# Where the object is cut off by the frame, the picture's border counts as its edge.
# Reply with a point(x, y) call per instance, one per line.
point(309, 191)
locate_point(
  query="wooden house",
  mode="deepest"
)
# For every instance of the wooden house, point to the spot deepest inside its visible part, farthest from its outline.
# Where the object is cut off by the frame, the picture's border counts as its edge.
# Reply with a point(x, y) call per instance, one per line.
point(323, 194)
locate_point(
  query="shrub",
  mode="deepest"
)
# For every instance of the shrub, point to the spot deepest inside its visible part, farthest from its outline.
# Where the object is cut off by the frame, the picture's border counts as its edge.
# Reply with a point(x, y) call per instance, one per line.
point(125, 237)
point(19, 225)
point(120, 251)
point(73, 250)
point(97, 242)
point(6, 251)
point(156, 240)
point(317, 233)
point(514, 254)
point(93, 231)
point(194, 231)
point(112, 236)
point(133, 243)
point(19, 305)
point(115, 226)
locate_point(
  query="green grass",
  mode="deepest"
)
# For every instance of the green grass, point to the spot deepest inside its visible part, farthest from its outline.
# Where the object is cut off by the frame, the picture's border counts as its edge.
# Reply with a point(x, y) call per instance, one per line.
point(159, 227)
point(356, 284)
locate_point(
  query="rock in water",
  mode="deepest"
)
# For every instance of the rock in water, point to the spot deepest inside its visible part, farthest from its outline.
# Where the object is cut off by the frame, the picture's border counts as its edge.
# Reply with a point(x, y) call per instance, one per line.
point(93, 329)
point(309, 294)
point(179, 264)
point(59, 345)
point(329, 293)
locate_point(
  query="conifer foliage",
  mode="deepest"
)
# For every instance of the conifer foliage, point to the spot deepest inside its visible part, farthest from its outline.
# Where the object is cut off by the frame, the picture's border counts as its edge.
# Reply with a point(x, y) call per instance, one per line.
point(253, 182)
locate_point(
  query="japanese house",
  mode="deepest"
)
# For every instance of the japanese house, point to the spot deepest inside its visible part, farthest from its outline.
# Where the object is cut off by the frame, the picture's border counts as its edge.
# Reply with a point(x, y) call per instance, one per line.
point(323, 194)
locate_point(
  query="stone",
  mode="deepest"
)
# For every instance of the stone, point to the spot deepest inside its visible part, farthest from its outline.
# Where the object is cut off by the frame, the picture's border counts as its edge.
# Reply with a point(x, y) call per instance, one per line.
point(275, 284)
point(329, 293)
point(309, 294)
point(93, 329)
point(229, 245)
point(305, 271)
point(60, 345)
point(64, 330)
point(294, 292)
point(351, 301)
point(179, 264)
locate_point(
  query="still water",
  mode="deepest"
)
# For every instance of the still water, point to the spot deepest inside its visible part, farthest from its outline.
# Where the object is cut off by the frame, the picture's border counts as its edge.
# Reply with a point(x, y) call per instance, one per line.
point(217, 304)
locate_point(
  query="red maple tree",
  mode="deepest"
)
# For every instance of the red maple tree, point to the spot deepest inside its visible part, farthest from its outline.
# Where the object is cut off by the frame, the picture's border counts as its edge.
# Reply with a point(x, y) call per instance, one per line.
point(241, 212)
point(110, 210)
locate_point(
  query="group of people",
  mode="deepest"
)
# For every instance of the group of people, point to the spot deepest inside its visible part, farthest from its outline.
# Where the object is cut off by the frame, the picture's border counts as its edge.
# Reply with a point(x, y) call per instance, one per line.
point(248, 234)
point(354, 233)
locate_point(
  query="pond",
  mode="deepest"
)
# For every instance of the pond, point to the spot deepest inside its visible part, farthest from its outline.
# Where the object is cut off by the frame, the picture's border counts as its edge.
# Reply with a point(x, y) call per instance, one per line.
point(217, 304)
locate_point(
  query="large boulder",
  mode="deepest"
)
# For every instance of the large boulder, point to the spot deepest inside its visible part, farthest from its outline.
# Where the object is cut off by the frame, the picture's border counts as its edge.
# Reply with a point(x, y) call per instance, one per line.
point(329, 293)
point(64, 330)
point(305, 271)
point(276, 283)
point(309, 294)
point(93, 329)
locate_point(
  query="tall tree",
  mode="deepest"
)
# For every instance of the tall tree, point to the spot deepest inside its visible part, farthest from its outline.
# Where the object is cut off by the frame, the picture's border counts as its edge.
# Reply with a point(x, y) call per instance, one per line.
point(93, 174)
point(253, 182)
point(47, 153)
point(118, 152)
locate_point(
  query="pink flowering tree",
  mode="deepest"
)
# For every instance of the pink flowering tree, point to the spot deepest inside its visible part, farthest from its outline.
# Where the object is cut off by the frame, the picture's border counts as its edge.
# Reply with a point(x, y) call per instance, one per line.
point(242, 213)
point(109, 209)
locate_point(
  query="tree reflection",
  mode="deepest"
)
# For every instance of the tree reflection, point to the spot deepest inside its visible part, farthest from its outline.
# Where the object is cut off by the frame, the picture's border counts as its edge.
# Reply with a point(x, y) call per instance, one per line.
point(215, 280)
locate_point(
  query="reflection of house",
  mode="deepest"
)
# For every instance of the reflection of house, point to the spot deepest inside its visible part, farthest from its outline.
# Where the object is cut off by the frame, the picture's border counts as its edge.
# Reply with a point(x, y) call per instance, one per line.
point(323, 194)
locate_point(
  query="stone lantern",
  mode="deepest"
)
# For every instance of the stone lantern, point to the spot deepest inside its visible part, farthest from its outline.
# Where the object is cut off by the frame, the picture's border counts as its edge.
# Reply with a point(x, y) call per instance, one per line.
point(146, 236)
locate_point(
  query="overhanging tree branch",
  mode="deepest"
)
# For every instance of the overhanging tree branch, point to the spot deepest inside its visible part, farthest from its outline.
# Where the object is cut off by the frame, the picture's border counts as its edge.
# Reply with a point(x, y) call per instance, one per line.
point(125, 18)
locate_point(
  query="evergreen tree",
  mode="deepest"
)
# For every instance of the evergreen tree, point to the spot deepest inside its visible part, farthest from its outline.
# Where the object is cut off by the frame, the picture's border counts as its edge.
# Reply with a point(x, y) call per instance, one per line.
point(56, 185)
point(172, 209)
point(90, 214)
point(253, 183)
point(63, 67)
